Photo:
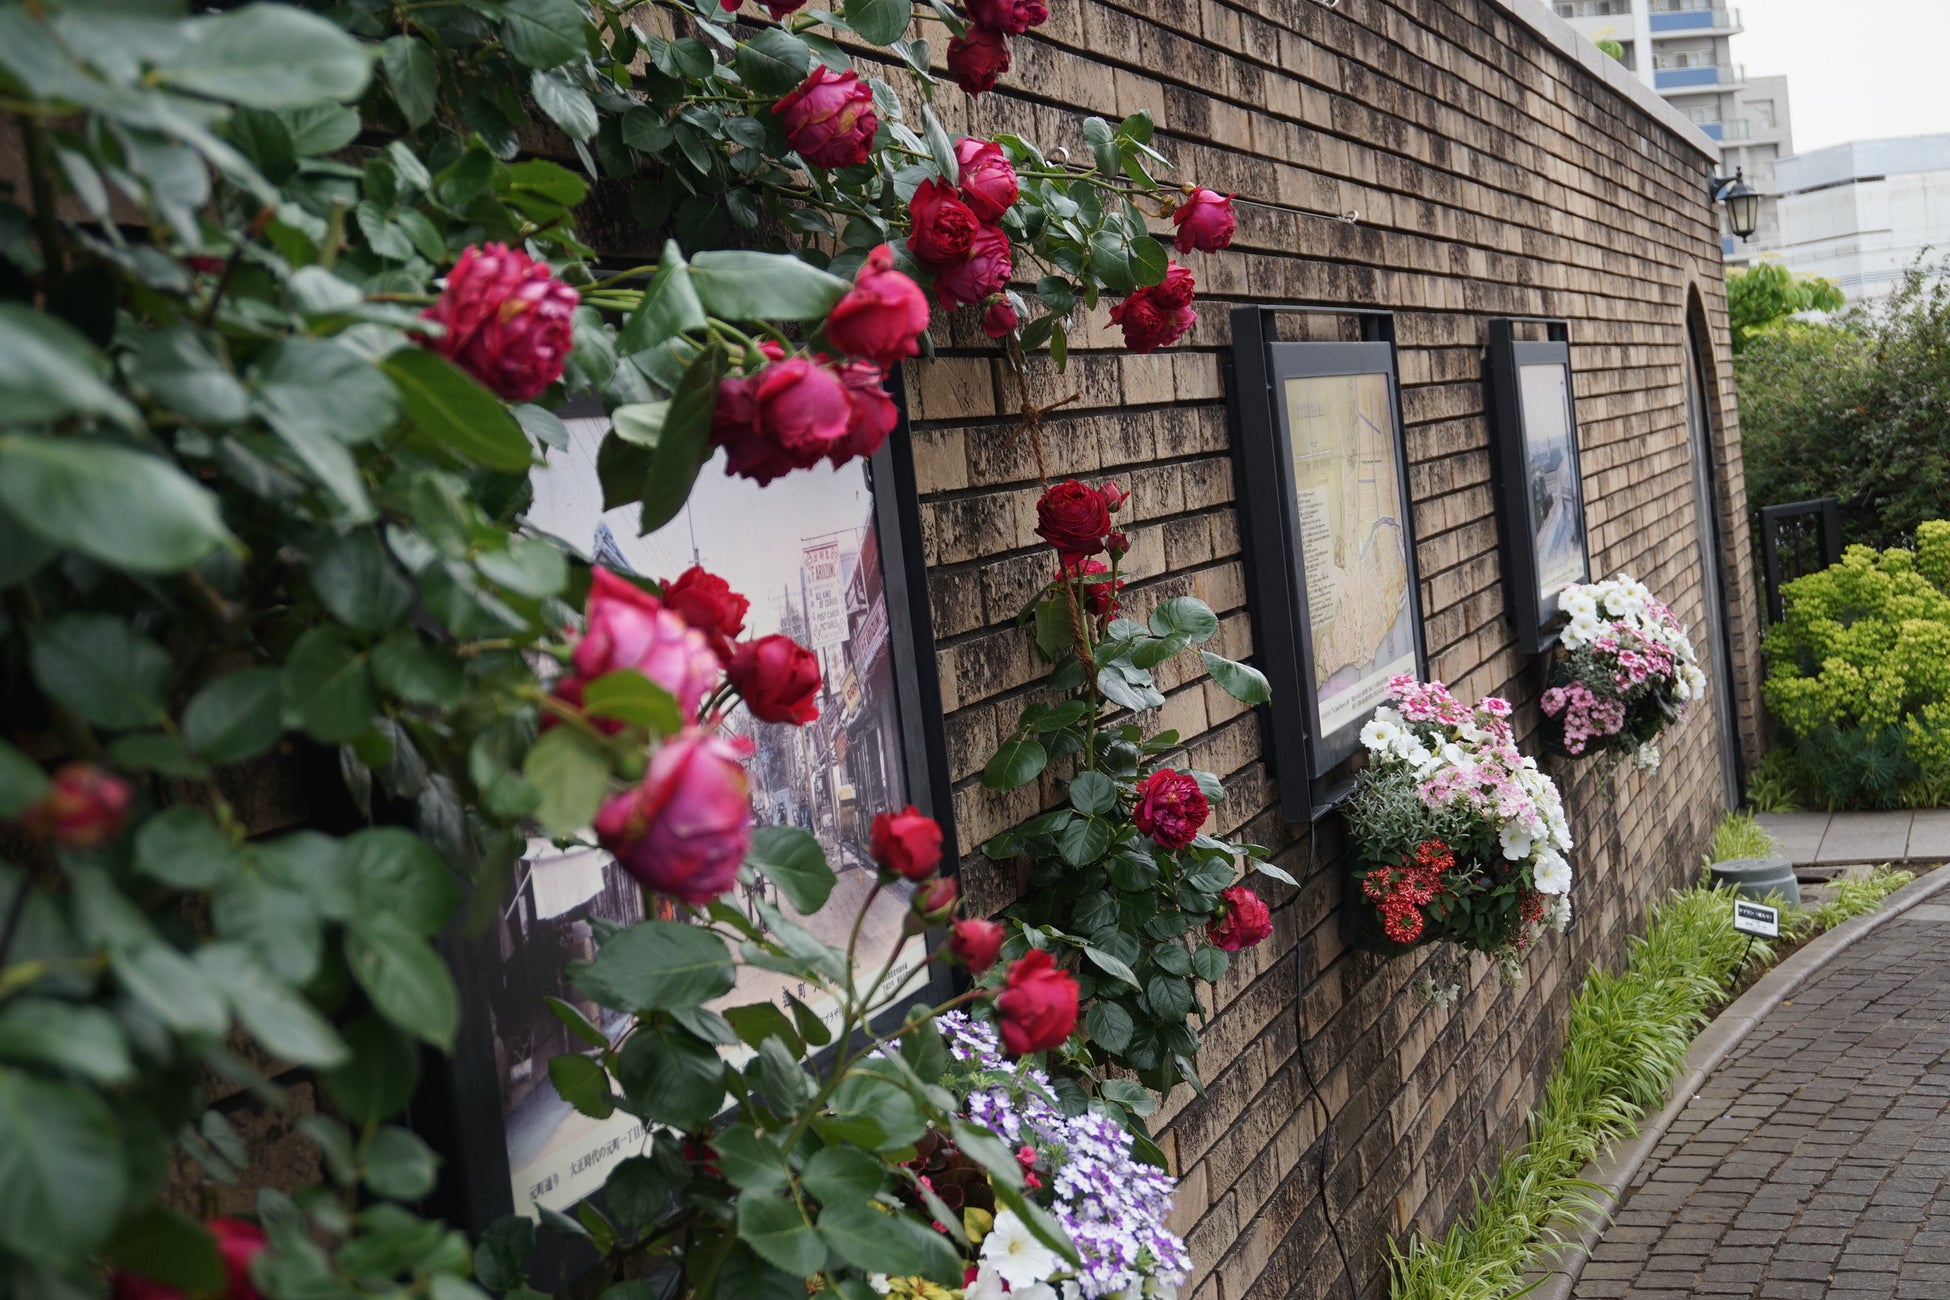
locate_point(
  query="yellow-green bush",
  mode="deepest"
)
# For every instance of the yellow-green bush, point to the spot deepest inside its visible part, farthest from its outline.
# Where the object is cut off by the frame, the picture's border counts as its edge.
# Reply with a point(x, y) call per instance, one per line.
point(1859, 674)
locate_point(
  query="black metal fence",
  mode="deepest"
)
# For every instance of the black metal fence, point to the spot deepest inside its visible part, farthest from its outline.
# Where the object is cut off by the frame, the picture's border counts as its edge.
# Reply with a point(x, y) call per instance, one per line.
point(1797, 539)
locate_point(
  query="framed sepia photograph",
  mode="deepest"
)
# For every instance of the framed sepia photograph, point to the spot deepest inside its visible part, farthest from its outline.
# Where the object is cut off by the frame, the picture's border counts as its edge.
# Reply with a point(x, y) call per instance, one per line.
point(1539, 487)
point(1323, 474)
point(830, 557)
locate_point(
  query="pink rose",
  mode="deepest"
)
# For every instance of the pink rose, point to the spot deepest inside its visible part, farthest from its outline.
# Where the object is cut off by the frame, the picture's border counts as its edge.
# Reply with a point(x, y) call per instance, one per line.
point(83, 807)
point(829, 120)
point(1001, 319)
point(976, 944)
point(1170, 808)
point(707, 603)
point(1038, 1006)
point(1012, 16)
point(1156, 315)
point(874, 414)
point(238, 1243)
point(786, 417)
point(685, 829)
point(1205, 221)
point(941, 228)
point(987, 181)
point(509, 322)
point(626, 627)
point(977, 59)
point(882, 316)
point(985, 271)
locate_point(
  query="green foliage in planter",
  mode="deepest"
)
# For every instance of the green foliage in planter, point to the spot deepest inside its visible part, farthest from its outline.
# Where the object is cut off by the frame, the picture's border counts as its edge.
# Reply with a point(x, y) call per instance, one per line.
point(1738, 835)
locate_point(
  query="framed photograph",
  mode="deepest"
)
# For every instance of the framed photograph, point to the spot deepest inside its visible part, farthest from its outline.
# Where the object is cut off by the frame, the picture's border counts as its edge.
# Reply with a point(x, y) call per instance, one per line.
point(1323, 475)
point(830, 557)
point(1539, 489)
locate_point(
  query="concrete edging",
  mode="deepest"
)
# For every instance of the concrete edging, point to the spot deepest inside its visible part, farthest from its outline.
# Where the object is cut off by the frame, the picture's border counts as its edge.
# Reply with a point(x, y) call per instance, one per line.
point(1613, 1171)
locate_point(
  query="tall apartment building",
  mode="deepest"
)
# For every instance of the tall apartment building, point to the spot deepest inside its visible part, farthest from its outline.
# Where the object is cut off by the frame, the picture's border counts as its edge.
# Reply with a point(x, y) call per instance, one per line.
point(1683, 49)
point(1860, 213)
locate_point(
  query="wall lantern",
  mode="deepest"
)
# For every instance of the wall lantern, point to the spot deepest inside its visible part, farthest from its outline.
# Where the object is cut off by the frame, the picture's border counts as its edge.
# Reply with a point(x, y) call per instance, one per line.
point(1742, 200)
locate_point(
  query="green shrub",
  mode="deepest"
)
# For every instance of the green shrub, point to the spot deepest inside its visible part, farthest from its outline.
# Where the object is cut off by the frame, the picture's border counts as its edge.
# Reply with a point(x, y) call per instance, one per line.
point(1738, 836)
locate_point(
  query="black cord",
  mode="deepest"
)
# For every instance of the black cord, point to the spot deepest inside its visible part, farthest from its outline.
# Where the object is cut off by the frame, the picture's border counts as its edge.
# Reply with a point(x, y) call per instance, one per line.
point(1326, 1116)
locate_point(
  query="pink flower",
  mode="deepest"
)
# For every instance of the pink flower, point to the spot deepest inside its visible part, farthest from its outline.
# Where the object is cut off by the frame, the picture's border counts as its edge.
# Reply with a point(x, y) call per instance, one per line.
point(873, 414)
point(786, 417)
point(882, 316)
point(1170, 808)
point(987, 181)
point(829, 120)
point(685, 829)
point(983, 272)
point(1158, 314)
point(1012, 16)
point(83, 807)
point(977, 59)
point(1205, 221)
point(1001, 319)
point(627, 627)
point(940, 225)
point(509, 322)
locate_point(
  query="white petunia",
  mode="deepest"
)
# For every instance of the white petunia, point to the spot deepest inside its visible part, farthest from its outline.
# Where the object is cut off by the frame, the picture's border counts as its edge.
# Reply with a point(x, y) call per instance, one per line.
point(1015, 1255)
point(986, 1286)
point(1379, 735)
point(1517, 840)
point(1552, 874)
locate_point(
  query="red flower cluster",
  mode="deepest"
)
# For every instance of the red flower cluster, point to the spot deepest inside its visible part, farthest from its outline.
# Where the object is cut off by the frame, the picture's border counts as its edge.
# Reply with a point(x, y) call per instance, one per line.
point(952, 229)
point(1204, 220)
point(1245, 921)
point(1157, 314)
point(707, 603)
point(1075, 518)
point(1170, 808)
point(238, 1243)
point(1038, 1006)
point(1099, 598)
point(83, 807)
point(509, 322)
point(976, 59)
point(829, 120)
point(1401, 892)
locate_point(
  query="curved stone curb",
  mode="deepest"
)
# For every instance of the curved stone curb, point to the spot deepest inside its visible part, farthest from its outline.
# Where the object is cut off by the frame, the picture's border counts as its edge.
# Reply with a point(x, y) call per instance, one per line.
point(1613, 1171)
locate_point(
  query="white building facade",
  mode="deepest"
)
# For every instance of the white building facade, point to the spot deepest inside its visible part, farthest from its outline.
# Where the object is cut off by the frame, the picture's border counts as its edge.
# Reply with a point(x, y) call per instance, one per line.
point(1859, 213)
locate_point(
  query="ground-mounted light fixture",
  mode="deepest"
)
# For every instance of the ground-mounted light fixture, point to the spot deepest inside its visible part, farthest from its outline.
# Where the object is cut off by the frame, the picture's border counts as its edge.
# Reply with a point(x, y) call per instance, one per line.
point(1742, 200)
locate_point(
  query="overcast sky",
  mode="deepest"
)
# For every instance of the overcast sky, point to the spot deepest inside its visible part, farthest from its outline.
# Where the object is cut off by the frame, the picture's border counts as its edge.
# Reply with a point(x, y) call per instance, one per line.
point(1857, 69)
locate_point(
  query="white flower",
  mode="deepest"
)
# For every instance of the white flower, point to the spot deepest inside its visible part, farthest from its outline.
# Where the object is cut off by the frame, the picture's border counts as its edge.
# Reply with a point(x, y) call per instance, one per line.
point(1581, 630)
point(1646, 757)
point(1156, 1288)
point(1015, 1254)
point(1551, 874)
point(1379, 735)
point(1517, 840)
point(879, 1283)
point(986, 1286)
point(1560, 914)
point(1039, 1291)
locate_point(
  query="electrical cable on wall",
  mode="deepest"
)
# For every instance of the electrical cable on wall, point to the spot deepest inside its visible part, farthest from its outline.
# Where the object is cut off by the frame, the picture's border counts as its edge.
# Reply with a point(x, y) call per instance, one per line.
point(1326, 1116)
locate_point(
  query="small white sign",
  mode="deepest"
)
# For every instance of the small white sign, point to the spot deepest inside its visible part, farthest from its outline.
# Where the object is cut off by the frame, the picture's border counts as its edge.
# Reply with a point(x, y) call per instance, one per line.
point(1757, 918)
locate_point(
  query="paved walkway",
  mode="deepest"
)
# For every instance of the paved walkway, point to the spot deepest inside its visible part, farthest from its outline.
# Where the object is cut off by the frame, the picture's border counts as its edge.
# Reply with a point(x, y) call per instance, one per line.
point(1810, 839)
point(1815, 1162)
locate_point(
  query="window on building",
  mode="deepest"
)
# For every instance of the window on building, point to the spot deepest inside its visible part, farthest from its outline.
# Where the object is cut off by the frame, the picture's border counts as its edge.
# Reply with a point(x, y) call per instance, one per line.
point(1762, 113)
point(1591, 8)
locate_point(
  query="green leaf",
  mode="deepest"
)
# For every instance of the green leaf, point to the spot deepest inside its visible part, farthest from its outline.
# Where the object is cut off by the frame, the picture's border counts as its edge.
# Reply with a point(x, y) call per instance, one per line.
point(635, 1193)
point(327, 689)
point(276, 922)
point(739, 285)
point(758, 1021)
point(573, 775)
point(583, 1083)
point(925, 1052)
point(405, 978)
point(236, 717)
point(657, 966)
point(1170, 997)
point(356, 582)
point(684, 443)
point(125, 508)
point(21, 780)
point(414, 77)
point(1242, 682)
point(155, 751)
point(269, 56)
point(774, 61)
point(1130, 688)
point(399, 1165)
point(530, 566)
point(1041, 1223)
point(321, 388)
point(1055, 633)
point(1109, 1025)
point(501, 1257)
point(671, 1077)
point(751, 1161)
point(281, 1020)
point(1268, 869)
point(793, 861)
point(418, 673)
point(1185, 616)
point(1016, 763)
point(176, 367)
point(544, 33)
point(379, 1077)
point(1083, 840)
point(1149, 261)
point(181, 846)
point(457, 412)
point(63, 1174)
point(565, 103)
point(878, 22)
point(1209, 963)
point(1111, 966)
point(49, 371)
point(1093, 792)
point(670, 306)
point(100, 669)
point(543, 425)
point(75, 1037)
point(842, 1174)
point(628, 696)
point(166, 1246)
point(776, 1229)
point(395, 871)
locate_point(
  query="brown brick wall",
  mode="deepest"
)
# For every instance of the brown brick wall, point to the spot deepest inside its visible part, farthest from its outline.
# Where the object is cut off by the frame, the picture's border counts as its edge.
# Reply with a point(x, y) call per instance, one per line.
point(1494, 175)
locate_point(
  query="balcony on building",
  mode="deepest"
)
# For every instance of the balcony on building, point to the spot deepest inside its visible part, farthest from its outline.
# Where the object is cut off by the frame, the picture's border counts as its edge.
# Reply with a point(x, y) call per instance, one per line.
point(1591, 8)
point(1694, 71)
point(1693, 17)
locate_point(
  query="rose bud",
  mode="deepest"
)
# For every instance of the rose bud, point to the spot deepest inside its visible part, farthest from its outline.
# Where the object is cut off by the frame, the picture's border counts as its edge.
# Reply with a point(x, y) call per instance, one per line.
point(1001, 319)
point(829, 120)
point(1170, 808)
point(975, 944)
point(1012, 16)
point(907, 843)
point(84, 807)
point(1205, 221)
point(778, 679)
point(934, 901)
point(684, 830)
point(984, 272)
point(238, 1243)
point(1114, 497)
point(987, 181)
point(1099, 598)
point(626, 627)
point(707, 603)
point(1038, 1007)
point(1244, 921)
point(1117, 544)
point(941, 228)
point(882, 316)
point(977, 59)
point(874, 414)
point(509, 322)
point(1073, 519)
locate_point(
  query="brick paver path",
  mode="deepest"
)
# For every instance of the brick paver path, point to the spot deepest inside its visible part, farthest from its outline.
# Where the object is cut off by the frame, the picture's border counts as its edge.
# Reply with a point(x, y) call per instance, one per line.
point(1815, 1163)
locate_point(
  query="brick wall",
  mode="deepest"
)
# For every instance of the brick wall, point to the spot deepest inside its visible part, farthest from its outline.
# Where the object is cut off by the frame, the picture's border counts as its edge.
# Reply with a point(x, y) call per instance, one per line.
point(1496, 172)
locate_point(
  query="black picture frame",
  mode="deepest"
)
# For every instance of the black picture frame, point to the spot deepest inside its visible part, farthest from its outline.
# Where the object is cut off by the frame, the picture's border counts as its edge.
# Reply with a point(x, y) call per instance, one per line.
point(460, 1105)
point(1522, 427)
point(1311, 752)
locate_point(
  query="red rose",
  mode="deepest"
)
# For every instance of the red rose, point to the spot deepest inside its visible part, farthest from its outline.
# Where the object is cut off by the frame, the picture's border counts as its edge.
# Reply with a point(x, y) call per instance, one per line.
point(780, 8)
point(83, 807)
point(707, 603)
point(882, 316)
point(1001, 319)
point(986, 179)
point(1175, 290)
point(1012, 16)
point(977, 59)
point(941, 227)
point(1170, 808)
point(975, 944)
point(1117, 544)
point(685, 829)
point(627, 627)
point(1099, 598)
point(907, 843)
point(1039, 1005)
point(238, 1243)
point(778, 679)
point(874, 414)
point(983, 272)
point(1114, 497)
point(1073, 519)
point(734, 426)
point(786, 417)
point(936, 900)
point(509, 322)
point(1205, 221)
point(829, 120)
point(1156, 315)
point(1244, 921)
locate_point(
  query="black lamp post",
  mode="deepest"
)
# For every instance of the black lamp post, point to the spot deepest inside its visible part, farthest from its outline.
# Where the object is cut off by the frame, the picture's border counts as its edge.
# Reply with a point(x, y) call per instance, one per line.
point(1742, 200)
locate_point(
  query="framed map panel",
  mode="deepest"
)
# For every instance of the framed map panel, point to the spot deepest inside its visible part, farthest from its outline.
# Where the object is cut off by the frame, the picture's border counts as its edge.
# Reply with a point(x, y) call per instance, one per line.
point(1539, 487)
point(1324, 478)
